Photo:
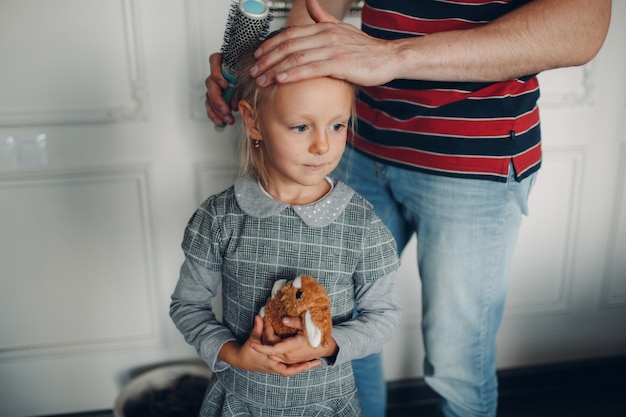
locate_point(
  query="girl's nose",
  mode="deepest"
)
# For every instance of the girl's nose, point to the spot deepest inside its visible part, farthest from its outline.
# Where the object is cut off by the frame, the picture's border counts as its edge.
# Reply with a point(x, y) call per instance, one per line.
point(320, 144)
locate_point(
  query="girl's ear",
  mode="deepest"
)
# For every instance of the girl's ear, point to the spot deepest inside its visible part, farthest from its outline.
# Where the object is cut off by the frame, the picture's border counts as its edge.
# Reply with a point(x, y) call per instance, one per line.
point(248, 117)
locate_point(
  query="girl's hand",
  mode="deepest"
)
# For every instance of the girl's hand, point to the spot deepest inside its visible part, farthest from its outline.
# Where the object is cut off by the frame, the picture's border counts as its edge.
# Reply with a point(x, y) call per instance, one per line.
point(296, 349)
point(247, 358)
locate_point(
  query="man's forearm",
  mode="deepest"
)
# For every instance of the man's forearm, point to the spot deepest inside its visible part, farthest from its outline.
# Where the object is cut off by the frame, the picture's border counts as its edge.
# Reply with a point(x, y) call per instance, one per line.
point(541, 35)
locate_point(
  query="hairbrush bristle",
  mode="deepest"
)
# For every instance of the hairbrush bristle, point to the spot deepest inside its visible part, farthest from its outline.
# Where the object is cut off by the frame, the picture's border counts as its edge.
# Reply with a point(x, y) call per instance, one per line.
point(247, 26)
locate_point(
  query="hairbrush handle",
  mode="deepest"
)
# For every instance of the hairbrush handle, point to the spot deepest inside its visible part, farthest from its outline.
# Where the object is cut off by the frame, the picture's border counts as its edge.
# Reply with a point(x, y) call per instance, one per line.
point(247, 25)
point(230, 90)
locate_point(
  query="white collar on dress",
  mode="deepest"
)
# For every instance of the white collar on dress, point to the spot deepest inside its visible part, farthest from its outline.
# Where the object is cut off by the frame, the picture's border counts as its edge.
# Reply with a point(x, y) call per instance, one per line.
point(256, 202)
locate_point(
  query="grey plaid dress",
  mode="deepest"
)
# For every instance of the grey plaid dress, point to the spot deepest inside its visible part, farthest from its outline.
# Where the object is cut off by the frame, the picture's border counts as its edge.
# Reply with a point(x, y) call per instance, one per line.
point(245, 240)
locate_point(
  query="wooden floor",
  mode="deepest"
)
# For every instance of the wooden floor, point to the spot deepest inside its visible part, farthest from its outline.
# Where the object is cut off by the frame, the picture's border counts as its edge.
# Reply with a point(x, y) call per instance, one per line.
point(581, 389)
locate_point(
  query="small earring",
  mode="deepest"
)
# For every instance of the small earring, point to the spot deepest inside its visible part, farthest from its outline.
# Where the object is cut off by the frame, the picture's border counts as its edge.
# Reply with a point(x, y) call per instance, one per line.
point(256, 143)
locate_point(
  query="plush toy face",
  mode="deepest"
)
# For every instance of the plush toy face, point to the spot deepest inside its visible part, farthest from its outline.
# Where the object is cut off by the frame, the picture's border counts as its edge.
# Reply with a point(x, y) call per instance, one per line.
point(303, 297)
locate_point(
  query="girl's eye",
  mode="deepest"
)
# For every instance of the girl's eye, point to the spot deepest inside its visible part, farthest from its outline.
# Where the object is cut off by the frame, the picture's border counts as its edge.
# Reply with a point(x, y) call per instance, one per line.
point(300, 128)
point(337, 127)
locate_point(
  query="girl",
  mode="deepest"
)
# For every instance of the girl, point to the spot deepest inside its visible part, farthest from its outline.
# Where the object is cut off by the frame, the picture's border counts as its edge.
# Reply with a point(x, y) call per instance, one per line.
point(282, 218)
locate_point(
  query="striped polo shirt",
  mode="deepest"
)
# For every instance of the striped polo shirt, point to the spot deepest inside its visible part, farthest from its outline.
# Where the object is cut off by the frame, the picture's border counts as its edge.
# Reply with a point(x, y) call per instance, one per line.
point(459, 129)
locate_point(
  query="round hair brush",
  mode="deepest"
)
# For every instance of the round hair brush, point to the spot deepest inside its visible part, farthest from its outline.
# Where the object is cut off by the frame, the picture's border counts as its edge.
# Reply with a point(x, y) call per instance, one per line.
point(247, 26)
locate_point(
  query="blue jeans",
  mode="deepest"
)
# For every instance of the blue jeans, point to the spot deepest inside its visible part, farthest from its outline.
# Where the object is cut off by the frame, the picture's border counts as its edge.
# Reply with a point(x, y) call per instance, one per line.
point(466, 230)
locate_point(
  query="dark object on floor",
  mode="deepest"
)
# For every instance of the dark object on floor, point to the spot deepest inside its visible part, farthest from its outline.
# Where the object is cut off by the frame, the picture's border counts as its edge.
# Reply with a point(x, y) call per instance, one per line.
point(169, 390)
point(182, 399)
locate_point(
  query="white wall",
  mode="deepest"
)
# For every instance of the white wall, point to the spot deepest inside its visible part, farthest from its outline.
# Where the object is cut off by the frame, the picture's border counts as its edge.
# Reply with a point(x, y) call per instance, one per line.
point(105, 152)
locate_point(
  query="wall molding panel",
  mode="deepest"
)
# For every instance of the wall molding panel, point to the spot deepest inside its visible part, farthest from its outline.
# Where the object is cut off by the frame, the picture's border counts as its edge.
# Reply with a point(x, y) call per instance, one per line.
point(614, 284)
point(212, 177)
point(542, 274)
point(96, 77)
point(567, 87)
point(197, 67)
point(89, 282)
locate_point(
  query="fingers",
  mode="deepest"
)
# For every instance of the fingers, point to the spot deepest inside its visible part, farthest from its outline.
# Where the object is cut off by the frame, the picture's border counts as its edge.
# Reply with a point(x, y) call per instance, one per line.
point(318, 13)
point(276, 366)
point(257, 330)
point(286, 359)
point(295, 54)
point(250, 359)
point(293, 322)
point(290, 351)
point(291, 370)
point(218, 110)
point(215, 62)
point(269, 336)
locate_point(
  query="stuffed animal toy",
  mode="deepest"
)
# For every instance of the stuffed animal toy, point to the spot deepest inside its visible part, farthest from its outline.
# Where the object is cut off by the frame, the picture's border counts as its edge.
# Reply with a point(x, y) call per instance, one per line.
point(303, 297)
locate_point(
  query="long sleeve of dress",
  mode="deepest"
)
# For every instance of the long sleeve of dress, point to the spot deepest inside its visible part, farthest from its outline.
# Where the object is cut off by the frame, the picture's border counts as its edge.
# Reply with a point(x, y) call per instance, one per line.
point(193, 315)
point(379, 311)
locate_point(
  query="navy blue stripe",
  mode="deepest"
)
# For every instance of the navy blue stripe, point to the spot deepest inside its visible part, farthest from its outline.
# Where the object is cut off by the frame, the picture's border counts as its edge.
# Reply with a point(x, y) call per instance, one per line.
point(490, 108)
point(383, 34)
point(474, 176)
point(433, 9)
point(403, 84)
point(505, 146)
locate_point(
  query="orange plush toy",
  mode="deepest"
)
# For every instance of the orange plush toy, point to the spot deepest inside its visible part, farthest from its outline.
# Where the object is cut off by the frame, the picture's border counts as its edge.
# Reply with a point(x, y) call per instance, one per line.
point(303, 297)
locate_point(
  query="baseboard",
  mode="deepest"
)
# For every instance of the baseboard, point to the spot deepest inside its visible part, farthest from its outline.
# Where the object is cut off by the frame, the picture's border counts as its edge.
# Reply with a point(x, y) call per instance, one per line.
point(583, 385)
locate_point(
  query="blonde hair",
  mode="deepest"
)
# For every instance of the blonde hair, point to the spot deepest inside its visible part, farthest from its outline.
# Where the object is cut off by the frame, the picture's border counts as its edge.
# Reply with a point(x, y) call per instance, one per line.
point(251, 158)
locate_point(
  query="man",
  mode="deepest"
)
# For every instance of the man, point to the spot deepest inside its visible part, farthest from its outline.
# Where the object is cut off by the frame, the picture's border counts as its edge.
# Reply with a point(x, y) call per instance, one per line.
point(447, 146)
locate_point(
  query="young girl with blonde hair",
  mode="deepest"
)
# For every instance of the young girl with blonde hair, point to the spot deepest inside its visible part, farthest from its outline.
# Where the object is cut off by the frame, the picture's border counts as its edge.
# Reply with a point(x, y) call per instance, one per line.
point(285, 217)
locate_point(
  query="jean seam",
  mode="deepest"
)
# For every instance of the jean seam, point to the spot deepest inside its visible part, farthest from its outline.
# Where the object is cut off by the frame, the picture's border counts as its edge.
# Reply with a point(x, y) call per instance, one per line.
point(489, 303)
